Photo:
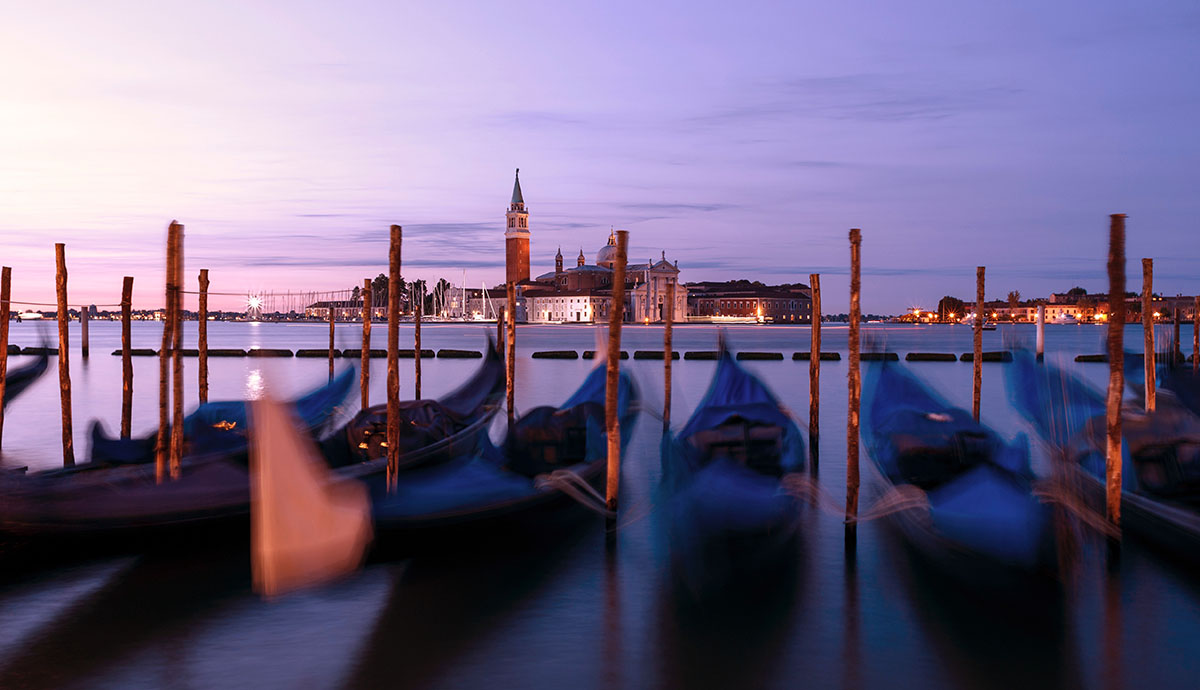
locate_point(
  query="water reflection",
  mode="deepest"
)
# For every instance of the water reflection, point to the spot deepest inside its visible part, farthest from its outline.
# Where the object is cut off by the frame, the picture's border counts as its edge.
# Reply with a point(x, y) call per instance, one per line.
point(255, 384)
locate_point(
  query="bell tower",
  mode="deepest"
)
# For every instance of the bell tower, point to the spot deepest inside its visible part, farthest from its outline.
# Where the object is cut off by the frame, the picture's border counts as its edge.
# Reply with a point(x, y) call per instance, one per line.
point(516, 237)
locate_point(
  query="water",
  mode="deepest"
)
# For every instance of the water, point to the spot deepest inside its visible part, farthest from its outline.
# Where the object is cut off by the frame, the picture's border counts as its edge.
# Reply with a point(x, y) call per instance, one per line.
point(575, 612)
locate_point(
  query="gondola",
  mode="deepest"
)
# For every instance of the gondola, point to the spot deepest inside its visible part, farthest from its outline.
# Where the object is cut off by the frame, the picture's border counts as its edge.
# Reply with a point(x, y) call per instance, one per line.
point(1175, 377)
point(507, 488)
point(1160, 453)
point(219, 428)
point(727, 512)
point(125, 502)
point(969, 509)
point(17, 380)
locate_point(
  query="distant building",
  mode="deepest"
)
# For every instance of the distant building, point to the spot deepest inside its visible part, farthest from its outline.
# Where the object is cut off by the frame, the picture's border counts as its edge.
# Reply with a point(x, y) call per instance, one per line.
point(745, 300)
point(583, 292)
point(343, 310)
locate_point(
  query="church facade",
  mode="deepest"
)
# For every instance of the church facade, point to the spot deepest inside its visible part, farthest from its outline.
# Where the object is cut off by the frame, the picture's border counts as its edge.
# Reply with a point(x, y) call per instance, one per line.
point(583, 293)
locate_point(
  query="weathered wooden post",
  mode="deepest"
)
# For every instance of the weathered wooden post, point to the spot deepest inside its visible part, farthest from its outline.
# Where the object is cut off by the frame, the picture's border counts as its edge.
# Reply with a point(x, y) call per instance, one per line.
point(64, 357)
point(1176, 347)
point(332, 318)
point(668, 353)
point(83, 331)
point(420, 309)
point(126, 359)
point(500, 340)
point(814, 374)
point(202, 337)
point(1116, 365)
point(162, 441)
point(393, 358)
point(612, 422)
point(510, 357)
point(364, 377)
point(5, 308)
point(977, 380)
point(176, 458)
point(854, 385)
point(1041, 332)
point(1148, 330)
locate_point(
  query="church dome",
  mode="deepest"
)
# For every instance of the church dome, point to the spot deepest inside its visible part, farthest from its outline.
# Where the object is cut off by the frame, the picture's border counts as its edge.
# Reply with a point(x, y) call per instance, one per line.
point(607, 256)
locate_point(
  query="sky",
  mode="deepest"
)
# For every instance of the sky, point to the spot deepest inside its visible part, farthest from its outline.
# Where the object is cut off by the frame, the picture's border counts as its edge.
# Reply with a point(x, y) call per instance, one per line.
point(743, 139)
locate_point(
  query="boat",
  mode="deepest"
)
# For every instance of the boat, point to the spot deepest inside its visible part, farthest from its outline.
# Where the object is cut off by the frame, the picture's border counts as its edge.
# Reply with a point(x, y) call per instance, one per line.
point(1160, 453)
point(1065, 319)
point(30, 315)
point(124, 503)
point(723, 478)
point(1175, 378)
point(18, 379)
point(553, 459)
point(965, 497)
point(219, 427)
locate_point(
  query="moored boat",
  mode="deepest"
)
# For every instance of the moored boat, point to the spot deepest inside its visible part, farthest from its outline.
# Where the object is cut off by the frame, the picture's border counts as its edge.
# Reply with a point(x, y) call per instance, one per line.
point(977, 520)
point(124, 502)
point(728, 512)
point(1160, 453)
point(553, 458)
point(219, 427)
point(18, 379)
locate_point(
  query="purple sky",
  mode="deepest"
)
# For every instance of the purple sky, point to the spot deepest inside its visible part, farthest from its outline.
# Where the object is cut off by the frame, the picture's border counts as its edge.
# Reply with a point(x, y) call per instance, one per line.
point(745, 140)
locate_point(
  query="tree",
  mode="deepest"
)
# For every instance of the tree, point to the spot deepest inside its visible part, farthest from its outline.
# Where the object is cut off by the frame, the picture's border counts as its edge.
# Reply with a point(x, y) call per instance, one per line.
point(950, 309)
point(1076, 292)
point(1014, 298)
point(355, 294)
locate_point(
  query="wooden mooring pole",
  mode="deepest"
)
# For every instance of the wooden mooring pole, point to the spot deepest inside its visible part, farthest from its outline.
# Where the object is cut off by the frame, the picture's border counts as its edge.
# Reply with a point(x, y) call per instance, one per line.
point(510, 350)
point(161, 440)
point(977, 369)
point(176, 458)
point(668, 353)
point(420, 309)
point(5, 308)
point(612, 422)
point(854, 385)
point(1041, 332)
point(202, 338)
point(1148, 330)
point(83, 331)
point(332, 319)
point(126, 358)
point(64, 355)
point(1176, 348)
point(814, 374)
point(1116, 365)
point(393, 359)
point(364, 376)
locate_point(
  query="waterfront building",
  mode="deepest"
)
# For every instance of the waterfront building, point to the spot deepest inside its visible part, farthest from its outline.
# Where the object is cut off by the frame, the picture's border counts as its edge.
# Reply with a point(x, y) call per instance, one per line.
point(343, 310)
point(746, 300)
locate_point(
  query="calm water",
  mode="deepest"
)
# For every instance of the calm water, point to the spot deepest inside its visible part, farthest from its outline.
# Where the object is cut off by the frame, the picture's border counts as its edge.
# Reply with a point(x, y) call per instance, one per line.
point(576, 613)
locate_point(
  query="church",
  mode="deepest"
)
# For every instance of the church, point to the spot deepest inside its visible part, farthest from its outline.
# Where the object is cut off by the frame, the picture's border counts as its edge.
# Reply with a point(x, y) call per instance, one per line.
point(583, 293)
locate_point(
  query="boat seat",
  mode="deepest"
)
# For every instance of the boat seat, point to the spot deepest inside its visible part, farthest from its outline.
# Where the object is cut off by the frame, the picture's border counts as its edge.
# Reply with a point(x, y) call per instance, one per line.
point(928, 460)
point(757, 446)
point(547, 438)
point(1169, 469)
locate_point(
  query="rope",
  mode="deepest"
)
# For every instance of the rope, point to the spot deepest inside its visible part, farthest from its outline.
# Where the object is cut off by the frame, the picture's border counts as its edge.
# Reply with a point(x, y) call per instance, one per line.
point(1053, 491)
point(899, 498)
point(571, 484)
